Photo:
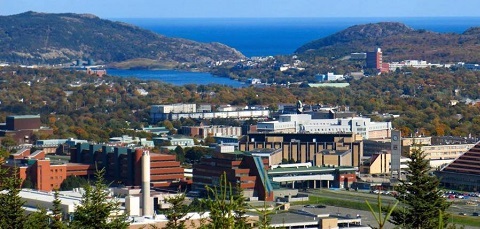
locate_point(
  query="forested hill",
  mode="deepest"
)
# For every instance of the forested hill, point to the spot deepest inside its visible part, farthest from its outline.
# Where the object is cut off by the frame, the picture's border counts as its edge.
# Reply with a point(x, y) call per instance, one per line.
point(32, 38)
point(398, 42)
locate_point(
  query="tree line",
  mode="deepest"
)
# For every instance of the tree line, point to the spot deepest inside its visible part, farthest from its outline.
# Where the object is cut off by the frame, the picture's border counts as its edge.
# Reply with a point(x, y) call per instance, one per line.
point(110, 106)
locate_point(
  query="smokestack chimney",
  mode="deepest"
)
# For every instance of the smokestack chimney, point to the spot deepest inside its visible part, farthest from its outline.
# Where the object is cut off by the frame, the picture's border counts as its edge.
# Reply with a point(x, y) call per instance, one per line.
point(146, 199)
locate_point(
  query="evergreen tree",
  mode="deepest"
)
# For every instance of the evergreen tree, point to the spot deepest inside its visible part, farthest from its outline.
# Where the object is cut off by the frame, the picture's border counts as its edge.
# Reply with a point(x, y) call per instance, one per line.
point(27, 183)
point(37, 220)
point(176, 213)
point(97, 208)
point(12, 214)
point(226, 207)
point(420, 196)
point(197, 206)
point(56, 217)
point(240, 209)
point(72, 182)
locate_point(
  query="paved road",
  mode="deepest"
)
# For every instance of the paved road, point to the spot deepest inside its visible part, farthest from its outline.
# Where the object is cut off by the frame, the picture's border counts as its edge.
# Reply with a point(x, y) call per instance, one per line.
point(458, 205)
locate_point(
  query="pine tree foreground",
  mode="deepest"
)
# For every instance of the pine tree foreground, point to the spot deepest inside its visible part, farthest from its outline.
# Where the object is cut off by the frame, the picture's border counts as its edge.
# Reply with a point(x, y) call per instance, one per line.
point(97, 208)
point(420, 196)
point(227, 207)
point(12, 214)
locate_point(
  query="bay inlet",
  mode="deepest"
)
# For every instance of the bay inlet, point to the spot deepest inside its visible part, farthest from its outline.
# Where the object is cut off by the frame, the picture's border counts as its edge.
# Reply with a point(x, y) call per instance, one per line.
point(176, 77)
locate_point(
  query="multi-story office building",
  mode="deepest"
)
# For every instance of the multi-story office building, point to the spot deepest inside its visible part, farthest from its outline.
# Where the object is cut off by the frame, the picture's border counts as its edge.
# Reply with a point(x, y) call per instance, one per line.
point(178, 111)
point(304, 123)
point(41, 173)
point(123, 165)
point(261, 174)
point(22, 127)
point(241, 170)
point(320, 149)
point(174, 108)
point(374, 59)
point(379, 163)
point(205, 131)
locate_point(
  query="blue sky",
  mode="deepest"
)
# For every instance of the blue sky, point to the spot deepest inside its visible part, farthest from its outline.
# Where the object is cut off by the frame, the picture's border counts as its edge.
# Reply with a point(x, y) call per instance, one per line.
point(248, 8)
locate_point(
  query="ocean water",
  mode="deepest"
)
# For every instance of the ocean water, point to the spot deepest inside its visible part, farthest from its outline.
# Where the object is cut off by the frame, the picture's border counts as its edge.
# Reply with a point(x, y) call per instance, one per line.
point(264, 37)
point(176, 77)
point(275, 36)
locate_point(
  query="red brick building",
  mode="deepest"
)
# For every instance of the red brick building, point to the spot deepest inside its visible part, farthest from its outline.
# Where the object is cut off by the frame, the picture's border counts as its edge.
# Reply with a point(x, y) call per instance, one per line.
point(122, 166)
point(241, 170)
point(42, 173)
point(374, 59)
point(22, 127)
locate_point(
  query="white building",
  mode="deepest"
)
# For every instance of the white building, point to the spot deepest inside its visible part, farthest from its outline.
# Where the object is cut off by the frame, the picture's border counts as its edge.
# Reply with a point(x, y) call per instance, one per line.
point(178, 111)
point(358, 56)
point(174, 108)
point(142, 92)
point(331, 77)
point(254, 81)
point(412, 63)
point(303, 123)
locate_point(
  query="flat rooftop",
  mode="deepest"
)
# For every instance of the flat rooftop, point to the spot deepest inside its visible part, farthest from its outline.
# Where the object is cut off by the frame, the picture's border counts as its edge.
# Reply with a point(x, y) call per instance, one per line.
point(66, 198)
point(23, 116)
point(299, 169)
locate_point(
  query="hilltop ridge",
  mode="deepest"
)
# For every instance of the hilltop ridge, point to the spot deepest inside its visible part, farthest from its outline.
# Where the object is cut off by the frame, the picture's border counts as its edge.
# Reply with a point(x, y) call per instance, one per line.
point(32, 37)
point(398, 42)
